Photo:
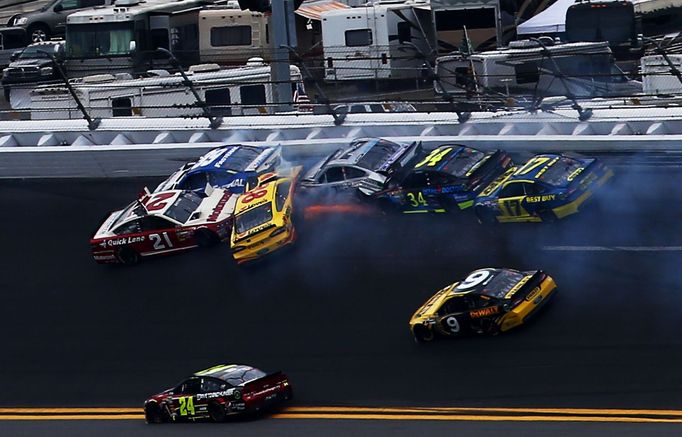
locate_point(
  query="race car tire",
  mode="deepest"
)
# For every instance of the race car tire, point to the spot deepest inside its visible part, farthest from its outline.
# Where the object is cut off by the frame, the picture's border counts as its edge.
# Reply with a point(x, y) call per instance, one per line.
point(484, 215)
point(153, 413)
point(205, 238)
point(128, 256)
point(216, 412)
point(547, 216)
point(422, 334)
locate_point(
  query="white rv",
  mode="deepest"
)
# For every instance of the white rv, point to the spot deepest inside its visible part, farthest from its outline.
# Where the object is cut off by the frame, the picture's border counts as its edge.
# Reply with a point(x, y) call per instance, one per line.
point(98, 40)
point(233, 91)
point(228, 35)
point(523, 68)
point(657, 79)
point(374, 41)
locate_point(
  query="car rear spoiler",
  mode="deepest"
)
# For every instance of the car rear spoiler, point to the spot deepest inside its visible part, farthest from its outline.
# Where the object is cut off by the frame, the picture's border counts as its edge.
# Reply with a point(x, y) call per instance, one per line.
point(404, 156)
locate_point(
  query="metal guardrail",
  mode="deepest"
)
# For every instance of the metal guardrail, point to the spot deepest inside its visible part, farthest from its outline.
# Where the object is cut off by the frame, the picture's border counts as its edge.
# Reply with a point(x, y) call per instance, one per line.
point(139, 147)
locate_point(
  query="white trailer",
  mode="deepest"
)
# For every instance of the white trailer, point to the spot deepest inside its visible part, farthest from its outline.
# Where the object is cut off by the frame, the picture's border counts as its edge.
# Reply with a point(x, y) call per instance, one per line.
point(228, 35)
point(523, 68)
point(374, 41)
point(657, 78)
point(234, 91)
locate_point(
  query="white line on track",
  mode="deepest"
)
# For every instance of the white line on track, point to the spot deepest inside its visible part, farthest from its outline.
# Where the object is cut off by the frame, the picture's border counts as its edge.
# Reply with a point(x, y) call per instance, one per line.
point(613, 248)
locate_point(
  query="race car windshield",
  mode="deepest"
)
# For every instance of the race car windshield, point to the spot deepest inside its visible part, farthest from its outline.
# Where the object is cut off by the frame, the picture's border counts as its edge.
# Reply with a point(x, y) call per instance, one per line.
point(135, 209)
point(183, 207)
point(198, 181)
point(378, 154)
point(559, 172)
point(464, 161)
point(255, 217)
point(501, 283)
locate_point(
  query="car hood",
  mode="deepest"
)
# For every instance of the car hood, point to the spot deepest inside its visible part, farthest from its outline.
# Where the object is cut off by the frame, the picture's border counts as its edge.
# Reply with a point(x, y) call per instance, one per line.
point(30, 63)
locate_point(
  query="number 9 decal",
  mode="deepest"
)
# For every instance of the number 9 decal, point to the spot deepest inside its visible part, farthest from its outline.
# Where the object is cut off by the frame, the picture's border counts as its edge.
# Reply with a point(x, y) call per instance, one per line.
point(453, 324)
point(473, 279)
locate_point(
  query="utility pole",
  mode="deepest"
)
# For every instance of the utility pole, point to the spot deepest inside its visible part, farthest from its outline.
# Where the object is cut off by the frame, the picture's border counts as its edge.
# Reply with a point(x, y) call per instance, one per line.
point(284, 36)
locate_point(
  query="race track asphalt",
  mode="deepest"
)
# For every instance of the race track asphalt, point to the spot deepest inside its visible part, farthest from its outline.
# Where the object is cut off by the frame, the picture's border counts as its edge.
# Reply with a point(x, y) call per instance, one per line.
point(333, 312)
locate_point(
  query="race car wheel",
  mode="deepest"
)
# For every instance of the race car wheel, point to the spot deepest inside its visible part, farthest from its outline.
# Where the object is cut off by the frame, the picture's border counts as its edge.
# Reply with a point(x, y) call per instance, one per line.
point(422, 334)
point(152, 413)
point(547, 216)
point(484, 215)
point(128, 256)
point(206, 238)
point(217, 412)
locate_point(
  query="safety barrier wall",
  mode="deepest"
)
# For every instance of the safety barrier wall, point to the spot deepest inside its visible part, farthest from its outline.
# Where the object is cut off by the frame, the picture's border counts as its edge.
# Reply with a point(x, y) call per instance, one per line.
point(146, 147)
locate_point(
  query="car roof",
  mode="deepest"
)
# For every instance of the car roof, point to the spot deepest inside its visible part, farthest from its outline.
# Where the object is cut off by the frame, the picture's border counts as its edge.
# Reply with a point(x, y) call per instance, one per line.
point(535, 166)
point(222, 159)
point(479, 285)
point(223, 371)
point(356, 151)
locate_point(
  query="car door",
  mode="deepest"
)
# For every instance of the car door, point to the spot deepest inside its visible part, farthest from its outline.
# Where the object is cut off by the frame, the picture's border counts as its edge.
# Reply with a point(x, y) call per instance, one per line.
point(412, 194)
point(454, 316)
point(184, 398)
point(164, 235)
point(511, 200)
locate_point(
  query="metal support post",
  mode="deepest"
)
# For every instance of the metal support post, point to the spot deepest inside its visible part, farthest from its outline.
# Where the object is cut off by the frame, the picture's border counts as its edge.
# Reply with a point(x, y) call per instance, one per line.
point(284, 36)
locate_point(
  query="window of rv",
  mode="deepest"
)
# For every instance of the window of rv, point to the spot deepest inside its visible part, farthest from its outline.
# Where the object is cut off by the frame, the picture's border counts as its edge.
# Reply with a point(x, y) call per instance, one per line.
point(98, 40)
point(231, 36)
point(252, 94)
point(358, 37)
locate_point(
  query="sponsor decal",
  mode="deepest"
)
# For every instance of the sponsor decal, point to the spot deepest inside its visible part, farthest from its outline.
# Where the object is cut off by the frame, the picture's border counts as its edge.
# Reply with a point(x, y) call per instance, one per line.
point(215, 394)
point(224, 158)
point(534, 292)
point(104, 257)
point(236, 183)
point(484, 312)
point(543, 198)
point(575, 174)
point(257, 229)
point(123, 241)
point(184, 234)
point(219, 207)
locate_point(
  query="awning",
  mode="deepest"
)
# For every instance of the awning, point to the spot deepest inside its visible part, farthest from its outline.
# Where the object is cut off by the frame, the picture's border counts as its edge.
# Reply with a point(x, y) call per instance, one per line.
point(313, 9)
point(551, 20)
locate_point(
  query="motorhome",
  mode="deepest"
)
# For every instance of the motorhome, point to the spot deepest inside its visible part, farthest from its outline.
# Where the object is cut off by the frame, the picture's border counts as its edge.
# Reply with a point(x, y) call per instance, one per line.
point(657, 77)
point(228, 35)
point(526, 68)
point(123, 38)
point(234, 91)
point(378, 41)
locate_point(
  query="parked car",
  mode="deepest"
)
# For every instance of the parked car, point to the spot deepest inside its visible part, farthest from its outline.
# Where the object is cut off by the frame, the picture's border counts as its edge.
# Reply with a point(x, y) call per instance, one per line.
point(32, 65)
point(11, 39)
point(50, 20)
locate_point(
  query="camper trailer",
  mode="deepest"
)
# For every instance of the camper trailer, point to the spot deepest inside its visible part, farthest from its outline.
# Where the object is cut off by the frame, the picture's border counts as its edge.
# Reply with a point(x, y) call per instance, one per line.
point(457, 23)
point(235, 91)
point(374, 41)
point(524, 69)
point(228, 35)
point(122, 38)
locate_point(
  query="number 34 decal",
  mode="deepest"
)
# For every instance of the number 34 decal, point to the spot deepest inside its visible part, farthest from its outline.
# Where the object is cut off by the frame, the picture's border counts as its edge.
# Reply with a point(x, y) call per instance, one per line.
point(417, 199)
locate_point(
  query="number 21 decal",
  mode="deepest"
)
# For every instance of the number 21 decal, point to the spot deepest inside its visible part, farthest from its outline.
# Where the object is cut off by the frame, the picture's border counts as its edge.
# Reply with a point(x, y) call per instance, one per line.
point(160, 242)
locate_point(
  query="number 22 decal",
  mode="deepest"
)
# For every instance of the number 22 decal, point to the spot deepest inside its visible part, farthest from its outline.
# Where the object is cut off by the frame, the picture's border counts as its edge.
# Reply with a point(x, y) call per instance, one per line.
point(159, 242)
point(186, 405)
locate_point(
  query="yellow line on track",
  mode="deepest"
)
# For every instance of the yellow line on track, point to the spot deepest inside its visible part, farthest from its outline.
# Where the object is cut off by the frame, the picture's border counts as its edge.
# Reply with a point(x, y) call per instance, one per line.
point(484, 418)
point(382, 413)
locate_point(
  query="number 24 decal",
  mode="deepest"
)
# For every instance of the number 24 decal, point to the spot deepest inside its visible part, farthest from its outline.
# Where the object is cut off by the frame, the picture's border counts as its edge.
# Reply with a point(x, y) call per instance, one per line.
point(186, 405)
point(160, 242)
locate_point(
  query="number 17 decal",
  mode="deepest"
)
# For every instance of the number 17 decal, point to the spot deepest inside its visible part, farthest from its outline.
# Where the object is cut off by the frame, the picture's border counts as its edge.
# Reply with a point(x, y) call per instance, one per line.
point(159, 242)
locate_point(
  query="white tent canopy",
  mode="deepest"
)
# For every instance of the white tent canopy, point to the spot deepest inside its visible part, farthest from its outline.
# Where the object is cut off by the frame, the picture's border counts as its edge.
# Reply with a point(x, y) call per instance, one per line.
point(551, 20)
